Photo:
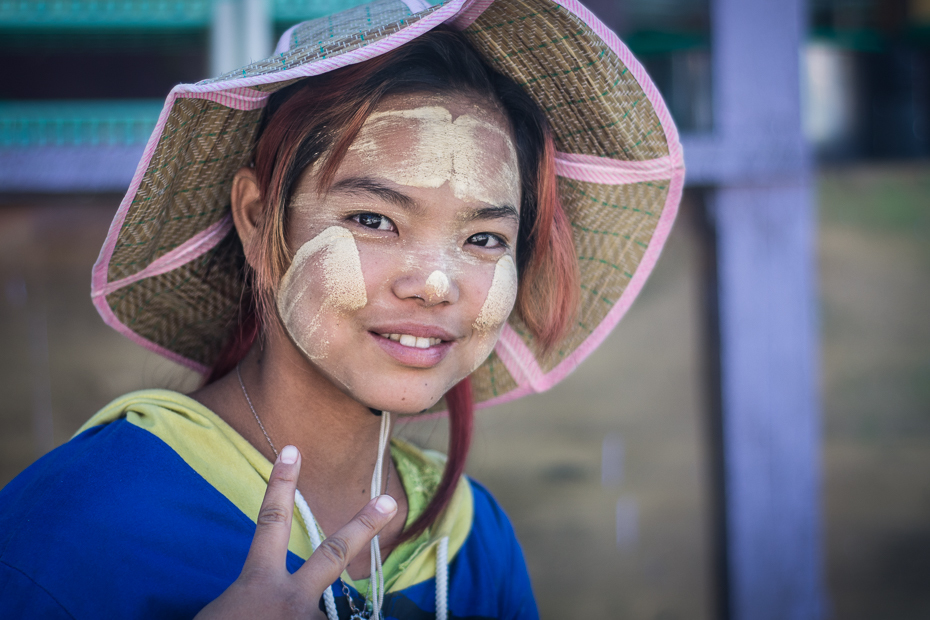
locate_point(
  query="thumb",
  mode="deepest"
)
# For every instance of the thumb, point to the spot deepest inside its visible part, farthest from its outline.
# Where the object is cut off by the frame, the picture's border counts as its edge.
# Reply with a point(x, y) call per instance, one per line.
point(333, 555)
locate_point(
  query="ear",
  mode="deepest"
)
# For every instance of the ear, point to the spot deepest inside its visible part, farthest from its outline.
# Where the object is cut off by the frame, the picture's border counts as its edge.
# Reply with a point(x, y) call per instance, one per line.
point(246, 203)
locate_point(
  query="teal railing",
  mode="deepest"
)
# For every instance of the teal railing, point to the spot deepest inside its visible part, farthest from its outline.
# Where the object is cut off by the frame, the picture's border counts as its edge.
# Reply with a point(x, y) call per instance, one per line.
point(31, 14)
point(293, 11)
point(104, 13)
point(77, 123)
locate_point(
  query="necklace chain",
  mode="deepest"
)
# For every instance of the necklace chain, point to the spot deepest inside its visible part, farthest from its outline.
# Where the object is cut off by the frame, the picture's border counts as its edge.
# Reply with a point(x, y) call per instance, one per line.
point(255, 413)
point(356, 614)
point(387, 482)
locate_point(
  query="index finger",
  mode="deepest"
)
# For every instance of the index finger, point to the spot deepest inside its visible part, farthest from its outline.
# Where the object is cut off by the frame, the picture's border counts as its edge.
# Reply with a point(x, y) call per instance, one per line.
point(325, 564)
point(273, 526)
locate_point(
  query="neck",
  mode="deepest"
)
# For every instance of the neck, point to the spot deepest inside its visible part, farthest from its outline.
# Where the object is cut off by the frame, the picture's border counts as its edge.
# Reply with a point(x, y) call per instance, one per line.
point(336, 435)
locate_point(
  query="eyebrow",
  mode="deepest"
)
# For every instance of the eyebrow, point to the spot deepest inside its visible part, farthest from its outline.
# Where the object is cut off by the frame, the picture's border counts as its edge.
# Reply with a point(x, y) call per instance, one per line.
point(494, 213)
point(367, 185)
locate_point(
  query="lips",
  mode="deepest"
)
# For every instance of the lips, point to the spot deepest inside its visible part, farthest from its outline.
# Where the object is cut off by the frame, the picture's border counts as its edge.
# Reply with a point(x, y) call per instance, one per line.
point(419, 330)
point(409, 340)
point(419, 346)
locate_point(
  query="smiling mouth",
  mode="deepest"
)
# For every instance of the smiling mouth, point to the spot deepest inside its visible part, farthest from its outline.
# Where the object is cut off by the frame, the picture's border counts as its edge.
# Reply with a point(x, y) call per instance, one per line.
point(413, 342)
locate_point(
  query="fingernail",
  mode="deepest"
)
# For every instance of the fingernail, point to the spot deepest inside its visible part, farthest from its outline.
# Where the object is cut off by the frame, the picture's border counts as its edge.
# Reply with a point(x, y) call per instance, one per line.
point(385, 505)
point(289, 455)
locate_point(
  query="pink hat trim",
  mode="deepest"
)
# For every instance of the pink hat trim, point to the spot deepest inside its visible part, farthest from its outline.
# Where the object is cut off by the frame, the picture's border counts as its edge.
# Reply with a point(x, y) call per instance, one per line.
point(513, 352)
point(184, 253)
point(612, 171)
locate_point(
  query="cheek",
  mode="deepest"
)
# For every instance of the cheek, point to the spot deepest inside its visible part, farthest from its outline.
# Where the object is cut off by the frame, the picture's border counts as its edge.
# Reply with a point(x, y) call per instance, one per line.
point(495, 310)
point(301, 304)
point(500, 298)
point(325, 278)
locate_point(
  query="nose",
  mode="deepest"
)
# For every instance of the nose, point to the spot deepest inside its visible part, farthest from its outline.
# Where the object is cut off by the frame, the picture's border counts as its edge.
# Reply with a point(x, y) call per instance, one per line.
point(430, 287)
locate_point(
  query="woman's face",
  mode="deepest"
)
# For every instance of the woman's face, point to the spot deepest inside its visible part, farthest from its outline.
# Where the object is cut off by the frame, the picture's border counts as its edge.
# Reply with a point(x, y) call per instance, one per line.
point(405, 272)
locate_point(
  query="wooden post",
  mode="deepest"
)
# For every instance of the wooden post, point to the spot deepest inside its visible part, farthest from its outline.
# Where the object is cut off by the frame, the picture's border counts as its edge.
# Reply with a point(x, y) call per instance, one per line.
point(763, 219)
point(768, 395)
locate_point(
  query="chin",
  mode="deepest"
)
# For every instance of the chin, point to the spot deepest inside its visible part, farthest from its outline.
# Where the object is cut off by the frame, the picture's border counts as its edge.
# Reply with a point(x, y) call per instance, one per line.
point(414, 400)
point(402, 405)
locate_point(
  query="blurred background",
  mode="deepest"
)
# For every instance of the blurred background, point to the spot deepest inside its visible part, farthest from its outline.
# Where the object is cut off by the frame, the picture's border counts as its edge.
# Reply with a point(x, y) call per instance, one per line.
point(627, 483)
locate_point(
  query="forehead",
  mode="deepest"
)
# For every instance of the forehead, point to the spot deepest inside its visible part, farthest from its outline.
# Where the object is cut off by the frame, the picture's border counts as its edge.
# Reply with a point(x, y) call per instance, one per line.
point(428, 141)
point(455, 105)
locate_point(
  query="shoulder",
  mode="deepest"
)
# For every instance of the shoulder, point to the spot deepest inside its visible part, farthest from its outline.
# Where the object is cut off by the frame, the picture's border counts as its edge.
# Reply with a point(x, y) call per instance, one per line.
point(111, 518)
point(116, 473)
point(489, 517)
point(492, 560)
point(491, 537)
point(89, 473)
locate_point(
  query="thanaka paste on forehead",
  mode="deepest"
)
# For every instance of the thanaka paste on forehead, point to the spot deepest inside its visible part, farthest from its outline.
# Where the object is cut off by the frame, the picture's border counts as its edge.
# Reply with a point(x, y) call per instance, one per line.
point(442, 151)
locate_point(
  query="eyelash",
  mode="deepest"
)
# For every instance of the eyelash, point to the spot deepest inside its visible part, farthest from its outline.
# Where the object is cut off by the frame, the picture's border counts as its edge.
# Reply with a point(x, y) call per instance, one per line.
point(491, 236)
point(360, 219)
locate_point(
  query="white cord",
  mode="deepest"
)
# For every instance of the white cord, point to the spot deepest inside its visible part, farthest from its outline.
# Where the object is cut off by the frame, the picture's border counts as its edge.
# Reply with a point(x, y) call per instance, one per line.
point(313, 531)
point(377, 572)
point(442, 579)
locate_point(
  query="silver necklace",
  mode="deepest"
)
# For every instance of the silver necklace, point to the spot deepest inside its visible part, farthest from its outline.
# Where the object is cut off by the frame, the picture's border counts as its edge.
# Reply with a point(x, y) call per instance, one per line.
point(387, 482)
point(367, 610)
point(255, 413)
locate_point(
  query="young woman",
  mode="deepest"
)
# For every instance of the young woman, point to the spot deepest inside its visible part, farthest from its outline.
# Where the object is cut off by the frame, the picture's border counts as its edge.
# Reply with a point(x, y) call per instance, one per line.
point(365, 226)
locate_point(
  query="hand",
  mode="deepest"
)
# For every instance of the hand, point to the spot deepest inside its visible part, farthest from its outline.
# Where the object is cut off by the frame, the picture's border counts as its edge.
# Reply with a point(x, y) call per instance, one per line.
point(265, 588)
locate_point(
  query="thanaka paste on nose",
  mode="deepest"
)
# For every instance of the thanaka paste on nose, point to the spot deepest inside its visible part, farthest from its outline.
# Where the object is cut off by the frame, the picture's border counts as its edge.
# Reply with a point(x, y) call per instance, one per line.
point(437, 286)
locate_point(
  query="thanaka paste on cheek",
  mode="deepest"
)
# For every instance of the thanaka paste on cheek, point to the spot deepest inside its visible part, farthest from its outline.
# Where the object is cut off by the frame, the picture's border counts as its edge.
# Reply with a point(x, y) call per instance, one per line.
point(497, 307)
point(501, 296)
point(341, 279)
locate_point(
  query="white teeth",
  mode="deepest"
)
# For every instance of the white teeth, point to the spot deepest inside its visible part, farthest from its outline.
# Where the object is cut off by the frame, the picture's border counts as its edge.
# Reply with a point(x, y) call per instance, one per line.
point(413, 341)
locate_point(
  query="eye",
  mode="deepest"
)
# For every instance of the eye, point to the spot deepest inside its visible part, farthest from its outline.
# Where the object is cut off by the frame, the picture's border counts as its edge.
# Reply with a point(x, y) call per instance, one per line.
point(374, 221)
point(486, 240)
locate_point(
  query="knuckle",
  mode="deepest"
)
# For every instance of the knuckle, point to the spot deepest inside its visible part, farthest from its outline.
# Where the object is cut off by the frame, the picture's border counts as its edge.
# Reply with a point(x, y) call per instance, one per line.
point(293, 604)
point(282, 475)
point(285, 600)
point(273, 515)
point(255, 575)
point(336, 550)
point(368, 522)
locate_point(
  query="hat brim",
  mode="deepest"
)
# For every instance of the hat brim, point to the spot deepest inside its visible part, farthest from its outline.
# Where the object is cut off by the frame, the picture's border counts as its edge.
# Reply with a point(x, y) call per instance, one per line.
point(159, 281)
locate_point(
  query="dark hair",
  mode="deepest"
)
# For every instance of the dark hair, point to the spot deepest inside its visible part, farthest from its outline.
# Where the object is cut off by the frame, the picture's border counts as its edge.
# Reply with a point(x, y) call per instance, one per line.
point(312, 122)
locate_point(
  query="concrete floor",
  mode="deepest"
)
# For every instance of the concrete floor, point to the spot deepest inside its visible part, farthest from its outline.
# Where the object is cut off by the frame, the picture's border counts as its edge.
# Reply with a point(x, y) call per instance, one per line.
point(605, 476)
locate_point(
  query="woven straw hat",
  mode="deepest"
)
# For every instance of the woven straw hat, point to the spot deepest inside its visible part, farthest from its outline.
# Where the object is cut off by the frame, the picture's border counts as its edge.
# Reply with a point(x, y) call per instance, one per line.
point(619, 164)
